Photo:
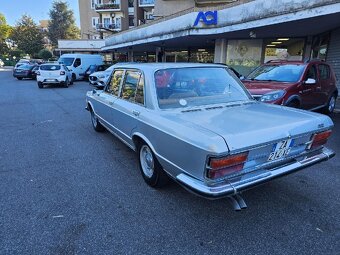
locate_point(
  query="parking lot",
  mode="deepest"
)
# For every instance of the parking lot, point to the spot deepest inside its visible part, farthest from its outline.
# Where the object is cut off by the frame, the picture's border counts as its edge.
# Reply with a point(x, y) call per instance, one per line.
point(66, 189)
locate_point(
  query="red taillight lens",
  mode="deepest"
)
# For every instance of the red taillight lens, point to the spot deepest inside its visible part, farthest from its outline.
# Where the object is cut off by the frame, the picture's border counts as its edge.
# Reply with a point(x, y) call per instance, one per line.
point(320, 139)
point(219, 167)
point(62, 72)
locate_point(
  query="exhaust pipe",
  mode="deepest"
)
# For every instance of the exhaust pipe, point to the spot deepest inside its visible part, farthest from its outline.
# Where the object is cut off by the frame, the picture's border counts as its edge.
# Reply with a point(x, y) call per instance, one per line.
point(237, 202)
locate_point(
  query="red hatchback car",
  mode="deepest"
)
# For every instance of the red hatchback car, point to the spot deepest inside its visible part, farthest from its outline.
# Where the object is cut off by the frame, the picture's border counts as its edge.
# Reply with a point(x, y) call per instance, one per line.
point(307, 85)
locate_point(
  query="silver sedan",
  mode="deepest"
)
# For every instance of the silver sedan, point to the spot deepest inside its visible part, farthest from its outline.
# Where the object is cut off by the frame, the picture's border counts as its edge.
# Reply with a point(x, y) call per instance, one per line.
point(197, 124)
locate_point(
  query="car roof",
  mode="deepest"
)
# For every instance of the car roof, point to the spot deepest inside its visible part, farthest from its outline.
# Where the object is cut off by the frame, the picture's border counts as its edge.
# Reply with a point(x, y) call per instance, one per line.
point(158, 66)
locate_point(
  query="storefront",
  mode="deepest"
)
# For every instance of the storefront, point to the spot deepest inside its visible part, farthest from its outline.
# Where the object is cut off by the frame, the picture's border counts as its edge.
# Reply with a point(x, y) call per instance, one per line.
point(238, 36)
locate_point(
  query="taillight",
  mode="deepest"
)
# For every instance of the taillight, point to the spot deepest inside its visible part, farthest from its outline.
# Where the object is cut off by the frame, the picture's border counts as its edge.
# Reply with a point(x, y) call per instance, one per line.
point(62, 72)
point(320, 139)
point(220, 167)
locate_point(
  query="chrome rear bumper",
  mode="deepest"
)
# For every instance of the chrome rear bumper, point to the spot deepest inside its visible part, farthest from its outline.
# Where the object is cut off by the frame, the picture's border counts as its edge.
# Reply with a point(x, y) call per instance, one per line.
point(247, 181)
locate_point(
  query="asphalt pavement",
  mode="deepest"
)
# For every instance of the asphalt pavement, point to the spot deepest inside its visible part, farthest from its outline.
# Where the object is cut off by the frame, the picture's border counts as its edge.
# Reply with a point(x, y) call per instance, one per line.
point(66, 189)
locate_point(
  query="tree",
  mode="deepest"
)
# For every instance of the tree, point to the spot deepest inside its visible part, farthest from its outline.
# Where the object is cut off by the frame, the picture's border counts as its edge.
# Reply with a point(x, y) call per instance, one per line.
point(45, 54)
point(62, 24)
point(27, 36)
point(4, 33)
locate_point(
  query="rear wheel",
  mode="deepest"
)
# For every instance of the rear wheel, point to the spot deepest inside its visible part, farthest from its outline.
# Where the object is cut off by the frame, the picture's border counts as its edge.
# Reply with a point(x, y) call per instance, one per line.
point(19, 78)
point(40, 85)
point(66, 83)
point(95, 123)
point(152, 171)
point(330, 105)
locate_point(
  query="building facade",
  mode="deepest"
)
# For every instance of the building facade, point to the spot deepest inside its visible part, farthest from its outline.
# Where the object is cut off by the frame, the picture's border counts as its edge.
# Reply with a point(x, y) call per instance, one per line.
point(102, 18)
point(240, 33)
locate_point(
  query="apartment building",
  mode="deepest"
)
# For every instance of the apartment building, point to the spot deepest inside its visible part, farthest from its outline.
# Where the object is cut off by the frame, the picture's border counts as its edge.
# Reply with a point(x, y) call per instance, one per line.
point(102, 18)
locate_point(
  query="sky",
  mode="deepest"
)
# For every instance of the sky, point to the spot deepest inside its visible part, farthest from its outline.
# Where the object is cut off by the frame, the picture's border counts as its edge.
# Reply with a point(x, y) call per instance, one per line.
point(37, 9)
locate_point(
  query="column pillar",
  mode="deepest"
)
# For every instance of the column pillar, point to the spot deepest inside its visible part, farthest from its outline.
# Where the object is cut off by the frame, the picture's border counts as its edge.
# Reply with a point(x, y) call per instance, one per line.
point(220, 51)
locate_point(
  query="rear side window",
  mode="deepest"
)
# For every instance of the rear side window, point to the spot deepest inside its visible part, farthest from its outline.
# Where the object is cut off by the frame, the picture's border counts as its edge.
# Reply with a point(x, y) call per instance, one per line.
point(140, 91)
point(50, 67)
point(130, 85)
point(113, 87)
point(324, 72)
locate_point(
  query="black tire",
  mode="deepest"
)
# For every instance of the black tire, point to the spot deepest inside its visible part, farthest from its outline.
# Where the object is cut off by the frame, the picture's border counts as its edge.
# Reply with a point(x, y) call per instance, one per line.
point(66, 83)
point(293, 104)
point(19, 78)
point(74, 77)
point(152, 171)
point(330, 105)
point(95, 123)
point(40, 85)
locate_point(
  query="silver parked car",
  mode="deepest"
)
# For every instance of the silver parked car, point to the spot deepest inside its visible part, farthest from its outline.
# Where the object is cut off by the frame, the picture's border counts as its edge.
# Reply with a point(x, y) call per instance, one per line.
point(197, 124)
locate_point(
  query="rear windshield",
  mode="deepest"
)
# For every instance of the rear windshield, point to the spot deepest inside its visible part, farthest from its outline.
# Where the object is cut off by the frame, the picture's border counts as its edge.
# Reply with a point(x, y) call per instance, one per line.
point(50, 67)
point(66, 61)
point(25, 67)
point(186, 87)
point(281, 73)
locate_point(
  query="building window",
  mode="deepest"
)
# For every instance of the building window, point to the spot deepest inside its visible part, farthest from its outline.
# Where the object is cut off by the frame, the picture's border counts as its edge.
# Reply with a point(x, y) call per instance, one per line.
point(131, 21)
point(95, 21)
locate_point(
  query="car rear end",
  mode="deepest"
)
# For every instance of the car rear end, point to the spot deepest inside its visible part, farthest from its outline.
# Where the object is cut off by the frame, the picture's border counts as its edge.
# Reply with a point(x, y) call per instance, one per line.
point(23, 71)
point(52, 74)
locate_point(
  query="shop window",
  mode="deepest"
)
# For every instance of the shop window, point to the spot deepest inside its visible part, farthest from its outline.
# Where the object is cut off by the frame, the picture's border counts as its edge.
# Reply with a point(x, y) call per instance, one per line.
point(320, 46)
point(244, 55)
point(284, 49)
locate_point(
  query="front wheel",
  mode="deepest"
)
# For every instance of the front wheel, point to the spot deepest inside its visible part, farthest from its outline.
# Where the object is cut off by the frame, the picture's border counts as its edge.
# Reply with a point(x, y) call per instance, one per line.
point(152, 171)
point(40, 85)
point(74, 77)
point(95, 123)
point(293, 104)
point(19, 78)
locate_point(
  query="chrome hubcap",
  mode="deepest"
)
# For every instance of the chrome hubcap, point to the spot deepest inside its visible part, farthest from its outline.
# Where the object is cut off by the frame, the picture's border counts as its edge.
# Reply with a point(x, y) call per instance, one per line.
point(146, 161)
point(331, 105)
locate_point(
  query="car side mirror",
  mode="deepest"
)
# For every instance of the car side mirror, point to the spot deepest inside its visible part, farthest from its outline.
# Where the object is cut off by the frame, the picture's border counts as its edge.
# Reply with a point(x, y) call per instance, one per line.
point(310, 81)
point(242, 77)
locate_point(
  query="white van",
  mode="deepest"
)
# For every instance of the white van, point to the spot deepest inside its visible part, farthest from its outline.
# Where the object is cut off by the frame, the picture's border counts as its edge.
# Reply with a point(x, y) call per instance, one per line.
point(78, 63)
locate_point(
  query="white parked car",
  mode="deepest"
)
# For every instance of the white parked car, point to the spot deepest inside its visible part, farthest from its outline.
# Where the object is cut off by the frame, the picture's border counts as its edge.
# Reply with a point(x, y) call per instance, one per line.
point(54, 74)
point(1, 63)
point(101, 78)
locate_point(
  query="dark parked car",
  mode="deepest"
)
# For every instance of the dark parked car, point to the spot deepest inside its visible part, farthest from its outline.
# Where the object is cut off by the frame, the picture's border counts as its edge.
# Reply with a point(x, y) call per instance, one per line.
point(308, 85)
point(24, 71)
point(94, 68)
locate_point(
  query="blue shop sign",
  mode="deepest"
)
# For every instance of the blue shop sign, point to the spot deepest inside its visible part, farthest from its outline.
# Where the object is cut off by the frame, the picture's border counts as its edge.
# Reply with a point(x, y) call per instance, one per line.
point(208, 18)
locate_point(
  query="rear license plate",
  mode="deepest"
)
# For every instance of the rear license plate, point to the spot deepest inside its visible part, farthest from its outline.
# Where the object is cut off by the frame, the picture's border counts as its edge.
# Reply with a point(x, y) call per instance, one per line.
point(281, 149)
point(50, 80)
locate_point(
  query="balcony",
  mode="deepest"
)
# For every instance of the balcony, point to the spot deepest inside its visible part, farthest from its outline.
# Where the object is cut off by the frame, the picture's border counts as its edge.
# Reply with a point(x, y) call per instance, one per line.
point(210, 2)
point(146, 3)
point(108, 27)
point(108, 7)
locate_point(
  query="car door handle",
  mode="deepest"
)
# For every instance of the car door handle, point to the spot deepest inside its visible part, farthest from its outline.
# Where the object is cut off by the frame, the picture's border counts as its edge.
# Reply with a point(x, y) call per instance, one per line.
point(136, 113)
